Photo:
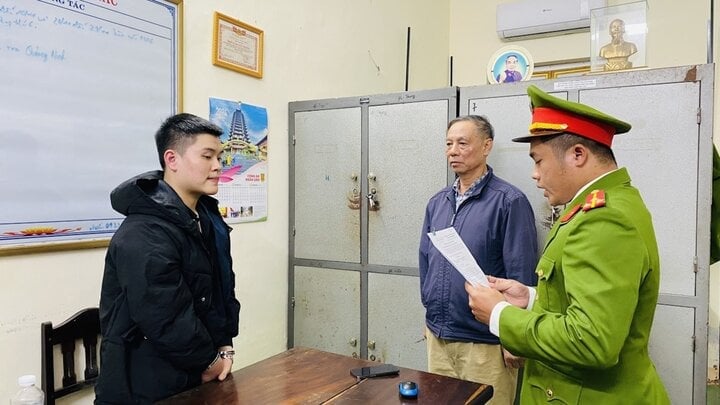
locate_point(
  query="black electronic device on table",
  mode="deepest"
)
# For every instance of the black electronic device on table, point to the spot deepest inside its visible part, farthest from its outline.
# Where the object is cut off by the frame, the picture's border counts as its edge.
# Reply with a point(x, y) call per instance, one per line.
point(375, 371)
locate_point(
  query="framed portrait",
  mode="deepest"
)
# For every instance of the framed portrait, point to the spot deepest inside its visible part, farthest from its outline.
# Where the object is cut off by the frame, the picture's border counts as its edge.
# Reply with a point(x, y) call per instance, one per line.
point(510, 64)
point(617, 37)
point(237, 46)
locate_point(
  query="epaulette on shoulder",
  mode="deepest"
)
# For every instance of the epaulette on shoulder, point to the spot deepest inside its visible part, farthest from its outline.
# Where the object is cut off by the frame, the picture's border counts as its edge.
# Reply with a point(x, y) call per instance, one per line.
point(595, 199)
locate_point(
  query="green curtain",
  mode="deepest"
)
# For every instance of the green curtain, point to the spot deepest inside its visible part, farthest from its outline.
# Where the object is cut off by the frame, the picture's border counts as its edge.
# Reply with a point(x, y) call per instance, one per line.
point(715, 210)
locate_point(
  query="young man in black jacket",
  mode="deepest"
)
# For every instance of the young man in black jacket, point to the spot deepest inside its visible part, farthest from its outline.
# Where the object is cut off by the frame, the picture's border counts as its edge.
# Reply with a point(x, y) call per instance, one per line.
point(168, 311)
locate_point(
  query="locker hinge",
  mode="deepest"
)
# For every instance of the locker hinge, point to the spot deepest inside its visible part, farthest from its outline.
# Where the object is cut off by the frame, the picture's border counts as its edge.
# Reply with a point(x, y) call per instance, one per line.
point(699, 116)
point(294, 230)
point(294, 139)
point(364, 100)
point(693, 343)
point(292, 302)
point(695, 264)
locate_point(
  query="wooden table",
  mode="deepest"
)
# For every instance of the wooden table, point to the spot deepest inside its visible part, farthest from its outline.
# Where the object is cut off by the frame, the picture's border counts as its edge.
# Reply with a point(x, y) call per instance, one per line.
point(309, 376)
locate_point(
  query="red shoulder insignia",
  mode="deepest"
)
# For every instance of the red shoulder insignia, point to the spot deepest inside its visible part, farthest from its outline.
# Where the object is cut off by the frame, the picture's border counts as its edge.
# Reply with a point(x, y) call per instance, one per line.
point(595, 199)
point(570, 214)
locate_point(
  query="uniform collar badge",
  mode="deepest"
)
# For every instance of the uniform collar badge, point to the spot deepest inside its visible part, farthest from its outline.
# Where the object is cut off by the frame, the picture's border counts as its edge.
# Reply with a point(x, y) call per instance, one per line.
point(567, 217)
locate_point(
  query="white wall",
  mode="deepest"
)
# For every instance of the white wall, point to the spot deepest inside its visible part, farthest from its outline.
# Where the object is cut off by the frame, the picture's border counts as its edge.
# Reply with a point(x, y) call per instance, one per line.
point(473, 39)
point(313, 49)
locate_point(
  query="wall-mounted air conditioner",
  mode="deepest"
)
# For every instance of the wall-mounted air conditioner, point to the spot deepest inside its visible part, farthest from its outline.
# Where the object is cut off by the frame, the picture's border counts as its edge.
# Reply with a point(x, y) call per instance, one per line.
point(544, 17)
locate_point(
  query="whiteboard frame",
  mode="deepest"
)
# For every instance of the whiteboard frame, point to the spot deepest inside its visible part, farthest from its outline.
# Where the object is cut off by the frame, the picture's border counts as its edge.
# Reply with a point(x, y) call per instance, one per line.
point(44, 246)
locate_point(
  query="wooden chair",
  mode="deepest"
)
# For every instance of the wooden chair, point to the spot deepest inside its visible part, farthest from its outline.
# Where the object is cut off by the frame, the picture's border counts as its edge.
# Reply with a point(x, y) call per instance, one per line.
point(83, 325)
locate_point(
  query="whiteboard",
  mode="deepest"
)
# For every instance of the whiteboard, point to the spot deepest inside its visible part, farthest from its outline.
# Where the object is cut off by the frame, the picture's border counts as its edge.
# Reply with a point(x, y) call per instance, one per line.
point(84, 85)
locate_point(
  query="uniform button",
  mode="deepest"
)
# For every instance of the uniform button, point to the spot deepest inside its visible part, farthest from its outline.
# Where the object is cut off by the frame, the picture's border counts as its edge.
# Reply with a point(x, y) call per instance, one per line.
point(540, 273)
point(549, 392)
point(202, 299)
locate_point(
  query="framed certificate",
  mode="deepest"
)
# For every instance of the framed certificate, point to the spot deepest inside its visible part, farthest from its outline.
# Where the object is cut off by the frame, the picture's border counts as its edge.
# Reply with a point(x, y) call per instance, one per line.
point(237, 46)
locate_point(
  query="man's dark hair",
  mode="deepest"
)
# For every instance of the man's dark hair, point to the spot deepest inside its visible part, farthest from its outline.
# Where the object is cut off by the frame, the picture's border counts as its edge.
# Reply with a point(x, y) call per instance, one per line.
point(176, 132)
point(481, 124)
point(562, 142)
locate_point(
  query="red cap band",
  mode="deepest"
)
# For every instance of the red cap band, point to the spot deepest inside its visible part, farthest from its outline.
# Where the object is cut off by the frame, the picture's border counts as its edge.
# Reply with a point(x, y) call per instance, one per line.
point(576, 124)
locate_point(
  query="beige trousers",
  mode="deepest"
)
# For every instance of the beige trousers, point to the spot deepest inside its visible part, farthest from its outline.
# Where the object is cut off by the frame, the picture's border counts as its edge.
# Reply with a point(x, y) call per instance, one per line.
point(476, 362)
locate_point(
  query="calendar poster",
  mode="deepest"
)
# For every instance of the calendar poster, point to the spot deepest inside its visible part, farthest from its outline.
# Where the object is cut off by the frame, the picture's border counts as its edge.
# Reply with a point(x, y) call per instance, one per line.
point(242, 190)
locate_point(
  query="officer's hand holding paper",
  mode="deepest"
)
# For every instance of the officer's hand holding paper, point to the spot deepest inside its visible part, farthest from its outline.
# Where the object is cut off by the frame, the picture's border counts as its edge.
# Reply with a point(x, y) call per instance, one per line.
point(448, 242)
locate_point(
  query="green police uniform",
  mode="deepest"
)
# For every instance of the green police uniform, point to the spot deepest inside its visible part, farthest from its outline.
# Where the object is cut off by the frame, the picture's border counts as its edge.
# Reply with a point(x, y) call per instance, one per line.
point(715, 210)
point(586, 336)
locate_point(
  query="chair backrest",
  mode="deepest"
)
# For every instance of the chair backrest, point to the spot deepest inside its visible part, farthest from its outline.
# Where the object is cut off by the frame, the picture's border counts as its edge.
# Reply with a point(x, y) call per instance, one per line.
point(83, 325)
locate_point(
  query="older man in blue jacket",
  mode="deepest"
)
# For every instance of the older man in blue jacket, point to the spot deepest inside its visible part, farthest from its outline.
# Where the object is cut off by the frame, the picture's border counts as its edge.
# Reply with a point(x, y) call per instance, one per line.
point(496, 222)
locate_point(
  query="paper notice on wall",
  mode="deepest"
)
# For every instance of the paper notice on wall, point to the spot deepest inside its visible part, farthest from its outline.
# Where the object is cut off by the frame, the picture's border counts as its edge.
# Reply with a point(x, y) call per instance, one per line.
point(448, 242)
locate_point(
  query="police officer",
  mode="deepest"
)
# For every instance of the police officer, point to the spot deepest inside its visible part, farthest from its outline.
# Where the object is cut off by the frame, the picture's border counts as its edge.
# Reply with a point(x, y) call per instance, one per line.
point(584, 331)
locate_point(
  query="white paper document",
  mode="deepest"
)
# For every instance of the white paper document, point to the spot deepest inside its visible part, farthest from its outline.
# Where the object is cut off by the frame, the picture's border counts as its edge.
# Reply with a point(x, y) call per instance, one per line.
point(448, 242)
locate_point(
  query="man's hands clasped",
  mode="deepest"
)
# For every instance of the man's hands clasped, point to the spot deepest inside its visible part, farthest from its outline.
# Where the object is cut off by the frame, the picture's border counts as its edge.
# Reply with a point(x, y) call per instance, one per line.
point(221, 366)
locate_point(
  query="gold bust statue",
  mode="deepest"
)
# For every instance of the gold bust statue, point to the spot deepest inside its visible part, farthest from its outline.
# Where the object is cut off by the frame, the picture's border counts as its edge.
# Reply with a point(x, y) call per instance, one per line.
point(618, 50)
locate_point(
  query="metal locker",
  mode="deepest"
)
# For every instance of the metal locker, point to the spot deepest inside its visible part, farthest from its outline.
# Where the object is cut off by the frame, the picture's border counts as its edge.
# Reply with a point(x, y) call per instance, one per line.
point(361, 172)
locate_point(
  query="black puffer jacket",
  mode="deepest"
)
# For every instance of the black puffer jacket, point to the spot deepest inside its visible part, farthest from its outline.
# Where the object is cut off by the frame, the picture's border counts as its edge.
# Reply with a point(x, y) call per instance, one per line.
point(167, 300)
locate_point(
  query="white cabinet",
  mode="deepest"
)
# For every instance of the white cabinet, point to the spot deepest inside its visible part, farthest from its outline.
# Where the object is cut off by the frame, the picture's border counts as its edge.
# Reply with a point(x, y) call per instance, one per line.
point(361, 172)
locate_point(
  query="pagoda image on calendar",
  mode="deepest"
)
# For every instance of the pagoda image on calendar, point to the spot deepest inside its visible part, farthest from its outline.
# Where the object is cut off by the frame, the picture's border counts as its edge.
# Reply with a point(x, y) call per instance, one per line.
point(239, 142)
point(242, 192)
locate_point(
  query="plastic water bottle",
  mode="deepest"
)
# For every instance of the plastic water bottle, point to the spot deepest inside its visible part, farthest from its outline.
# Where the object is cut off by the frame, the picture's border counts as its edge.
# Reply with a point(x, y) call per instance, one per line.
point(29, 394)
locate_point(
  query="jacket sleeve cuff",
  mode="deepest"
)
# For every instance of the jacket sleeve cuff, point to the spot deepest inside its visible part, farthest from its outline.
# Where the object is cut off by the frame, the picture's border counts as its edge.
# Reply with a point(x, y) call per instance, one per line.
point(495, 317)
point(531, 299)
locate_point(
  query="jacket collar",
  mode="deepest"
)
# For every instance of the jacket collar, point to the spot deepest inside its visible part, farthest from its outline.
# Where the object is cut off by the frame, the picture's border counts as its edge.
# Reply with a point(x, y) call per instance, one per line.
point(610, 180)
point(478, 188)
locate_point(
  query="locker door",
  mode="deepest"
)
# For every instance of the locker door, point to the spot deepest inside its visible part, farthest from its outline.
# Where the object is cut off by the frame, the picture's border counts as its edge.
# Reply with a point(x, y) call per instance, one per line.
point(661, 154)
point(671, 349)
point(510, 160)
point(327, 184)
point(396, 327)
point(326, 310)
point(406, 166)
